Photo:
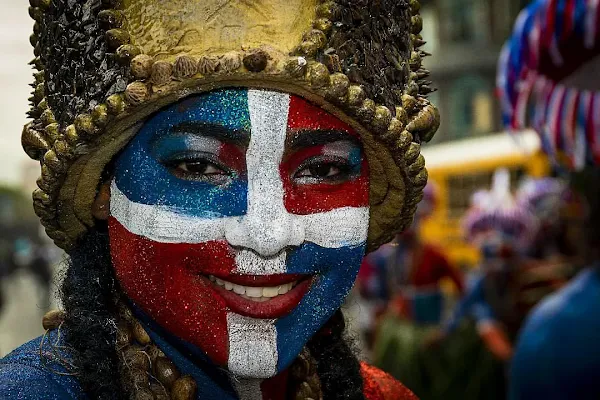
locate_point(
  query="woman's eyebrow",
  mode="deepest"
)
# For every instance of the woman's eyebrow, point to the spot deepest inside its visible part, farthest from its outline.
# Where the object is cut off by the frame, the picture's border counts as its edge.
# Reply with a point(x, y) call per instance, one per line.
point(309, 138)
point(219, 132)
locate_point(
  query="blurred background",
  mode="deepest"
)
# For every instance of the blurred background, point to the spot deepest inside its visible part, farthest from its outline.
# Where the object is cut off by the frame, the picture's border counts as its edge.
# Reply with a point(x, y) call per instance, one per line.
point(465, 38)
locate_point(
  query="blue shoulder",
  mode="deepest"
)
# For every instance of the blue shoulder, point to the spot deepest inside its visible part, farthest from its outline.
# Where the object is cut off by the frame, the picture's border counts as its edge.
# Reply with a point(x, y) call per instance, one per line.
point(556, 354)
point(37, 372)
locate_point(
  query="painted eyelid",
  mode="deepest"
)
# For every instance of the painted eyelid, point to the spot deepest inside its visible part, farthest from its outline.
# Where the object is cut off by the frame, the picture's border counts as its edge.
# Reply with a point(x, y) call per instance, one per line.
point(167, 146)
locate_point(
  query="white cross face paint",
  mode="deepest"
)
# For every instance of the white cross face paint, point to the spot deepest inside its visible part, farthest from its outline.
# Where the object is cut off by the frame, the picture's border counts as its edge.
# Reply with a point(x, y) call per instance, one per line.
point(236, 212)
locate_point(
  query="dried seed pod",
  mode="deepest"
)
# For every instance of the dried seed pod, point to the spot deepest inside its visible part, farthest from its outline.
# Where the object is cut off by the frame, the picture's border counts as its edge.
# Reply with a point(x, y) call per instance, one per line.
point(165, 371)
point(154, 352)
point(33, 39)
point(231, 61)
point(356, 96)
point(402, 115)
point(411, 154)
point(208, 65)
point(317, 36)
point(326, 10)
point(394, 130)
point(115, 104)
point(47, 181)
point(111, 18)
point(63, 149)
point(42, 198)
point(309, 49)
point(44, 4)
point(141, 66)
point(404, 141)
point(52, 161)
point(161, 73)
point(322, 24)
point(184, 388)
point(85, 124)
point(44, 211)
point(39, 93)
point(416, 23)
point(338, 85)
point(127, 52)
point(415, 61)
point(135, 358)
point(35, 13)
point(415, 6)
point(52, 132)
point(47, 117)
point(34, 143)
point(412, 89)
point(425, 123)
point(43, 105)
point(420, 180)
point(256, 61)
point(416, 167)
point(296, 66)
point(317, 75)
point(100, 115)
point(136, 93)
point(381, 120)
point(185, 67)
point(71, 135)
point(140, 334)
point(117, 37)
point(409, 103)
point(53, 319)
point(366, 111)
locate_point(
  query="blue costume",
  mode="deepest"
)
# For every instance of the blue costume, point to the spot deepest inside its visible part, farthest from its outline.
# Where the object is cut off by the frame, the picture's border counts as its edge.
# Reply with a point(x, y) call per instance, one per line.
point(557, 355)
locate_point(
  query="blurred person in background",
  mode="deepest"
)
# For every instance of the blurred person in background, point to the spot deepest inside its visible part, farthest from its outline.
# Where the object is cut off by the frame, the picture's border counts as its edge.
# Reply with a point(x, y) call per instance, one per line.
point(501, 230)
point(548, 79)
point(409, 271)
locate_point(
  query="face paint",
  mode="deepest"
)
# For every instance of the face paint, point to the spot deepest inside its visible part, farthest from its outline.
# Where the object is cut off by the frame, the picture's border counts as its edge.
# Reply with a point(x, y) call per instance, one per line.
point(238, 222)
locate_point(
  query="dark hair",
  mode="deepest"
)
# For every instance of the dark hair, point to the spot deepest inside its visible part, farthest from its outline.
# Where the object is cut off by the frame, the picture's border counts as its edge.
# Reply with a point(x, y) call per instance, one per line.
point(89, 292)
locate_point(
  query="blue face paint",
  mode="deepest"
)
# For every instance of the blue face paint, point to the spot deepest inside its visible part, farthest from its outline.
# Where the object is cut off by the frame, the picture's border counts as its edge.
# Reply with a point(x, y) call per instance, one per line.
point(196, 170)
point(141, 171)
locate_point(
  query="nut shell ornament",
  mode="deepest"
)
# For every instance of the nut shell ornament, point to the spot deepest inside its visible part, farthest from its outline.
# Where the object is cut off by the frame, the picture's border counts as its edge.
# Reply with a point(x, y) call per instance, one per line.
point(103, 67)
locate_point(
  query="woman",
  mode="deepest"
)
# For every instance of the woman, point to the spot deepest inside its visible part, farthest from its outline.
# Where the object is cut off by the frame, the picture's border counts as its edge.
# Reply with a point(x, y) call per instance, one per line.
point(216, 172)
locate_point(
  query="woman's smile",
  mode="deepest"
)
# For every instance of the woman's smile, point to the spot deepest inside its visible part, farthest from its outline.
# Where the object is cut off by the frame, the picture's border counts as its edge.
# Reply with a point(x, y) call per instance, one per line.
point(265, 297)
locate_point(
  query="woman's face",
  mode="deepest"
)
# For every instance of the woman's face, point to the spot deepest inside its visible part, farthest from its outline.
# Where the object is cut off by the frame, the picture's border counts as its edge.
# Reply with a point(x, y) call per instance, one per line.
point(238, 222)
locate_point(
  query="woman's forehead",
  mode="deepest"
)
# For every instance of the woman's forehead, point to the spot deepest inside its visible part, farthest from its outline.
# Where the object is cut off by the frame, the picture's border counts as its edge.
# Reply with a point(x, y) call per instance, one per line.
point(241, 110)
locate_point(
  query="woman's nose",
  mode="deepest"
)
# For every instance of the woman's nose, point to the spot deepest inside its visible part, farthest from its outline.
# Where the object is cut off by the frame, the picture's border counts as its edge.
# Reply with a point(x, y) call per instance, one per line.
point(267, 228)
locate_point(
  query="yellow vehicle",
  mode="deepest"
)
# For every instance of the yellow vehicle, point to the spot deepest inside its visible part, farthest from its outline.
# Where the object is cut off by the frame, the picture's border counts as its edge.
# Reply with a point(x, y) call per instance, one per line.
point(460, 168)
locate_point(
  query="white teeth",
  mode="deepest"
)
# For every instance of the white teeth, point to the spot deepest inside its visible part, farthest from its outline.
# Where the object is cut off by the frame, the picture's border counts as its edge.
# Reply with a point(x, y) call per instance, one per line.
point(238, 289)
point(270, 291)
point(259, 294)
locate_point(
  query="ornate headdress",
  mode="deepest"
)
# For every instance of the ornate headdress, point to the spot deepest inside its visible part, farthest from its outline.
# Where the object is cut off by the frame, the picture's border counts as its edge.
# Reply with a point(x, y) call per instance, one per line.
point(497, 209)
point(105, 65)
point(539, 78)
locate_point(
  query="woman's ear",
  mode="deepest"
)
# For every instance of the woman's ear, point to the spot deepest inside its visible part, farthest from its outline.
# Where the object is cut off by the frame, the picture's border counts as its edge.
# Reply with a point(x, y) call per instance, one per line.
point(101, 205)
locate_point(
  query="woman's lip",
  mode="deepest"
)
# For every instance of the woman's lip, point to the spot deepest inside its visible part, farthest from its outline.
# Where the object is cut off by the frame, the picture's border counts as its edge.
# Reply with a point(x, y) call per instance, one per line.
point(260, 280)
point(276, 307)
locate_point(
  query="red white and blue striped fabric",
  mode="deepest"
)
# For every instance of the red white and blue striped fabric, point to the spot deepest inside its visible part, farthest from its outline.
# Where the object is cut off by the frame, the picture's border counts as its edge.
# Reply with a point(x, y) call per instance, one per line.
point(551, 39)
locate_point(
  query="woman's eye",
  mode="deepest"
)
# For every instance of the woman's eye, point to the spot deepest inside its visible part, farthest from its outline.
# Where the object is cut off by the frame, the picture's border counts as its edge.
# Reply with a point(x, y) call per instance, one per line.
point(319, 171)
point(200, 168)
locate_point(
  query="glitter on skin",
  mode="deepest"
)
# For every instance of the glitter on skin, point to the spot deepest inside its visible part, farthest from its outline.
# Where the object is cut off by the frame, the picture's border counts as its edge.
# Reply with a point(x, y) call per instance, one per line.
point(258, 191)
